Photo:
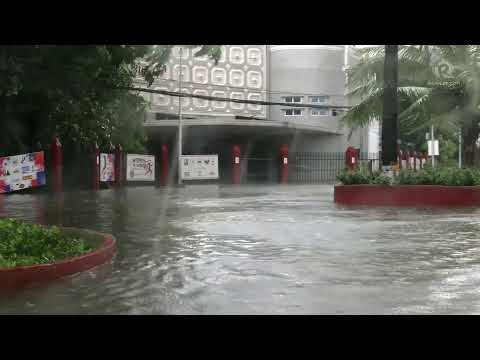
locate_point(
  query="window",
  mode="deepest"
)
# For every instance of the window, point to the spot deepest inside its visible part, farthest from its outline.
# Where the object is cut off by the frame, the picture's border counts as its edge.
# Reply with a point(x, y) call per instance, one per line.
point(319, 99)
point(337, 112)
point(293, 99)
point(319, 112)
point(293, 112)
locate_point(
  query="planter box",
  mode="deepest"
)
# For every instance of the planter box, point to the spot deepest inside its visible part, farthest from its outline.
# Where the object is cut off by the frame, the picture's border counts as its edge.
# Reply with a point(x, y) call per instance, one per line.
point(407, 195)
point(24, 275)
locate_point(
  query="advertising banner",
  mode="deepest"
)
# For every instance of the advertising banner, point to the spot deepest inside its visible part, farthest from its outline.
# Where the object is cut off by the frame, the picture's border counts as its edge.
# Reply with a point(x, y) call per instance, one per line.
point(22, 171)
point(107, 167)
point(140, 167)
point(199, 167)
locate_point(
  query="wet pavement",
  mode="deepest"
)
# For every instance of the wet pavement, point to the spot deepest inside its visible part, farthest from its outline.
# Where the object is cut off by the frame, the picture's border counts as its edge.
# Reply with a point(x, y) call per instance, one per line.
point(256, 250)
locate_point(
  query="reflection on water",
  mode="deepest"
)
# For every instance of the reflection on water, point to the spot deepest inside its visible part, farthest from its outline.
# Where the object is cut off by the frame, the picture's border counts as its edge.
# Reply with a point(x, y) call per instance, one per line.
point(256, 250)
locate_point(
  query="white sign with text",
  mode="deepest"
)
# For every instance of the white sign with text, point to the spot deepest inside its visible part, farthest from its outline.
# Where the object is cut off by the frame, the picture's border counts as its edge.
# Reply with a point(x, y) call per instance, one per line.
point(199, 167)
point(140, 167)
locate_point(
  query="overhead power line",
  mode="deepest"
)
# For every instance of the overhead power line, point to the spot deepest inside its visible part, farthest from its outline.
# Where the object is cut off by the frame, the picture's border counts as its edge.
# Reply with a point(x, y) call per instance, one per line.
point(223, 87)
point(224, 99)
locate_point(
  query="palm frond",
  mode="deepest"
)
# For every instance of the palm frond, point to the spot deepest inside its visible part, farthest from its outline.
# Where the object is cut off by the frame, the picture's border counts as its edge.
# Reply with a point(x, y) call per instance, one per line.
point(365, 112)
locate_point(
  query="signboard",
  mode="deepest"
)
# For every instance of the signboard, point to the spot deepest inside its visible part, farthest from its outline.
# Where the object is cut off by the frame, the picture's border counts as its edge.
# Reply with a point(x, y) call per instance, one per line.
point(107, 167)
point(199, 167)
point(22, 171)
point(435, 151)
point(140, 167)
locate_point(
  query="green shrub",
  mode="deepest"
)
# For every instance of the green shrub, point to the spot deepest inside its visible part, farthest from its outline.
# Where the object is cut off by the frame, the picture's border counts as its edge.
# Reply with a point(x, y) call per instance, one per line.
point(355, 177)
point(24, 244)
point(448, 176)
point(362, 176)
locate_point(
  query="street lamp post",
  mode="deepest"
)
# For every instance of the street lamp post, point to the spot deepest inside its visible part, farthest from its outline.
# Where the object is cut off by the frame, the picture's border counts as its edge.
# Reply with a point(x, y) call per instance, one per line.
point(180, 125)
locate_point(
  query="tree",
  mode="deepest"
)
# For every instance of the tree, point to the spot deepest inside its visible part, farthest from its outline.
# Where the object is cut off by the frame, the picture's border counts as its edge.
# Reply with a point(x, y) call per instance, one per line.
point(390, 106)
point(73, 91)
point(436, 84)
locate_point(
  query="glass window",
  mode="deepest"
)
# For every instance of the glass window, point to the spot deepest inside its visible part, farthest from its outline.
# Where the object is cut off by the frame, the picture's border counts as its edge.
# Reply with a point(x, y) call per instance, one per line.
point(319, 99)
point(319, 112)
point(293, 99)
point(293, 112)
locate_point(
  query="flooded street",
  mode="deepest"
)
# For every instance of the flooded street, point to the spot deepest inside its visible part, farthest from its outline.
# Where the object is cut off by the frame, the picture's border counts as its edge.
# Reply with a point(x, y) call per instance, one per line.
point(256, 250)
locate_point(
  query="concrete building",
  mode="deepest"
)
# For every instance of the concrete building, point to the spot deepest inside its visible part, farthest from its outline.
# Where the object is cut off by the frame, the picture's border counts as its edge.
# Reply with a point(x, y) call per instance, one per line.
point(299, 74)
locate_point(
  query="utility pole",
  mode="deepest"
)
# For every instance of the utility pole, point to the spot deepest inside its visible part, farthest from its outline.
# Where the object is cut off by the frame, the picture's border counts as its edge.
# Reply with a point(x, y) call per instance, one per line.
point(432, 141)
point(180, 140)
point(460, 148)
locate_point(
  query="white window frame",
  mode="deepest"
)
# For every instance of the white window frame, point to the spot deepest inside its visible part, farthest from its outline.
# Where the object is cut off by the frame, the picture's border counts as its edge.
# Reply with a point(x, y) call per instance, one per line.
point(293, 99)
point(327, 112)
point(293, 110)
point(325, 99)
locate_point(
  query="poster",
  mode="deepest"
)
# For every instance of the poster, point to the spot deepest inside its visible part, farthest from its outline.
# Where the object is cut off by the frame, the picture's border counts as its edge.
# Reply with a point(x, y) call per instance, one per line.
point(140, 167)
point(22, 171)
point(107, 167)
point(199, 167)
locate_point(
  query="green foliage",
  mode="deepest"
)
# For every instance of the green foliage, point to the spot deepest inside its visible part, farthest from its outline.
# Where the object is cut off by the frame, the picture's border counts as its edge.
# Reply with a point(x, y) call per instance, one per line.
point(437, 84)
point(448, 176)
point(24, 244)
point(78, 93)
point(362, 176)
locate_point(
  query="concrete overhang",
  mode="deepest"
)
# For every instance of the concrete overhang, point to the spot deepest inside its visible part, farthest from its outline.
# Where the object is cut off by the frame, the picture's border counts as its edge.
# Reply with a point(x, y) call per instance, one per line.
point(241, 125)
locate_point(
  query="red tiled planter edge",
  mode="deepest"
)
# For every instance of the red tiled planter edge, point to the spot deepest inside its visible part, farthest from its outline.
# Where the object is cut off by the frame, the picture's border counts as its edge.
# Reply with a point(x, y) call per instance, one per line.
point(407, 195)
point(24, 275)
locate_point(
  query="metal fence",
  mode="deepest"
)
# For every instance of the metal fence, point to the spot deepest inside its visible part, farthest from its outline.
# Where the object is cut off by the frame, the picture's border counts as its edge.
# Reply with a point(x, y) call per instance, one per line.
point(323, 167)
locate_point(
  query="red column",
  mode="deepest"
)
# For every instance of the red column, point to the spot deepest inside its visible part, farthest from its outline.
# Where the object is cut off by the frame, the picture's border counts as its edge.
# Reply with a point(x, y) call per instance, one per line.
point(96, 167)
point(407, 159)
point(118, 165)
point(57, 165)
point(284, 164)
point(424, 159)
point(236, 169)
point(404, 160)
point(351, 158)
point(164, 166)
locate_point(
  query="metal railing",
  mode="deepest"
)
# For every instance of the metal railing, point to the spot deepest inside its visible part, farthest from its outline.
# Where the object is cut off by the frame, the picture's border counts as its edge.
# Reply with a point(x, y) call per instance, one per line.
point(323, 167)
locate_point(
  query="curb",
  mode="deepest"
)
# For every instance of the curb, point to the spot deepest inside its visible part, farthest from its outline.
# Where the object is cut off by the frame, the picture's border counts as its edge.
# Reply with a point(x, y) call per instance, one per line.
point(24, 275)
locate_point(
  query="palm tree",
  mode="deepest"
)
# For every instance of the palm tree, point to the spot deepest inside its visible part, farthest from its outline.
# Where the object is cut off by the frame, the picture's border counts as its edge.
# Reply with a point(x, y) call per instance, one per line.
point(437, 84)
point(390, 106)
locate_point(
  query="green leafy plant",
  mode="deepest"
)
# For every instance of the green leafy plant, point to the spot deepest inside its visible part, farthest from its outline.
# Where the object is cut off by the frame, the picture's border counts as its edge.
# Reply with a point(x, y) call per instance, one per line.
point(447, 176)
point(362, 176)
point(25, 244)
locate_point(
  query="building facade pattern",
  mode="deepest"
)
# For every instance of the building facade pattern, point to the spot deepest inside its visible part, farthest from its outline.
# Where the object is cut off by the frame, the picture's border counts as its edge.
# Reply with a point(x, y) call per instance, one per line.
point(240, 74)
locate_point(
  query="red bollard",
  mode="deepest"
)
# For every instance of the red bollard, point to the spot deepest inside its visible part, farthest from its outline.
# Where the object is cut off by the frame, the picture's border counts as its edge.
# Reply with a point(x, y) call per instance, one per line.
point(415, 161)
point(351, 158)
point(236, 166)
point(411, 160)
point(284, 164)
point(96, 167)
point(404, 160)
point(164, 165)
point(424, 159)
point(57, 165)
point(118, 165)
